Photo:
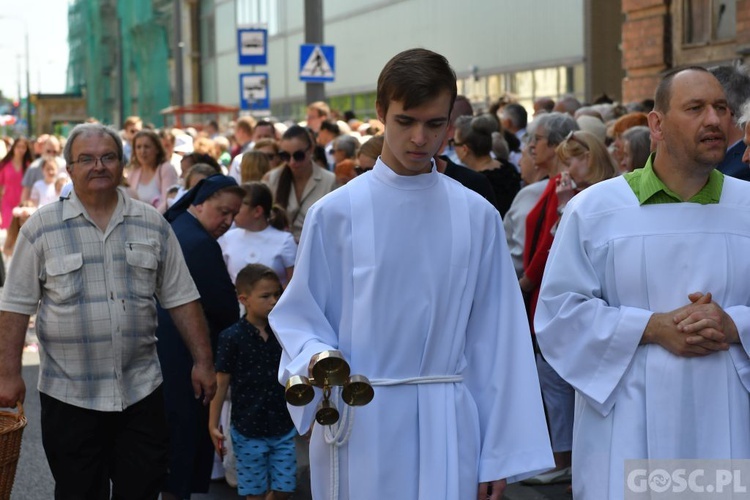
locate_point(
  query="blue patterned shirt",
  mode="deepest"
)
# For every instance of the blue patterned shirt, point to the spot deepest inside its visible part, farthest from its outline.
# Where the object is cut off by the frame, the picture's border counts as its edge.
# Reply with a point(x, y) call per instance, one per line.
point(258, 404)
point(93, 293)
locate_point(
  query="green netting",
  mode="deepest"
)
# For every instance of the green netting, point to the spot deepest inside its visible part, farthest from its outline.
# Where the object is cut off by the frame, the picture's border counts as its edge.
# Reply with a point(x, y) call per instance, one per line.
point(145, 53)
point(143, 87)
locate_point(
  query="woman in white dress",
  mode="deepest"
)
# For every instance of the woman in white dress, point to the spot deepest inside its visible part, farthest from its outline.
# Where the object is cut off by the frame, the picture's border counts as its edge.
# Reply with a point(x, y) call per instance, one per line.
point(150, 172)
point(259, 236)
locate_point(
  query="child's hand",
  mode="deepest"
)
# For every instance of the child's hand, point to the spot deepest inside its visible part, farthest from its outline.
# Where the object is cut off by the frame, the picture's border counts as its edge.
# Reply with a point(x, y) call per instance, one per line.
point(218, 437)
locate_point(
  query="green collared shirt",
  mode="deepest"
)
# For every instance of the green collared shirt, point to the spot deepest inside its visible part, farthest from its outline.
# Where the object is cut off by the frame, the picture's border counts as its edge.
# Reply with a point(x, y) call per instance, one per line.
point(650, 190)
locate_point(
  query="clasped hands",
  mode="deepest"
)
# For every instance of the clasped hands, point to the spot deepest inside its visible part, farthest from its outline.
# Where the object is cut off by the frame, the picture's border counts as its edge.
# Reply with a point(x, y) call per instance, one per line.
point(697, 329)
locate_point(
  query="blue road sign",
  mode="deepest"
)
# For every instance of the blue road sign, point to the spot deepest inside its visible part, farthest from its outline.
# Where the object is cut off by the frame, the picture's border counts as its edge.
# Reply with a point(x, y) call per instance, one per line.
point(317, 63)
point(254, 91)
point(252, 44)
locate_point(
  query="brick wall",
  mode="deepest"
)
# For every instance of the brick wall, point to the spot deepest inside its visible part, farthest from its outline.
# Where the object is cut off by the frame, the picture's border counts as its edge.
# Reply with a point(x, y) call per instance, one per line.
point(646, 46)
point(743, 22)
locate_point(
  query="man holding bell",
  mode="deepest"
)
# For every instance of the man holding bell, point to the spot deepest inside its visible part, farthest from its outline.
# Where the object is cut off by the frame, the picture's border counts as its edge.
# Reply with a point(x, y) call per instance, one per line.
point(406, 273)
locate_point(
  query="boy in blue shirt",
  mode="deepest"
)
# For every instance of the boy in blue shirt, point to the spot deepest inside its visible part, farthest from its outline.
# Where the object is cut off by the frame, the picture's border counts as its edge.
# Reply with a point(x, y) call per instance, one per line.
point(247, 357)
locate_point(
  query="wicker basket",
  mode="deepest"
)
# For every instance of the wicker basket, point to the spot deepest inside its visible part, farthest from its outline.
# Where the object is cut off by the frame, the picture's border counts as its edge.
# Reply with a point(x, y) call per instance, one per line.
point(11, 429)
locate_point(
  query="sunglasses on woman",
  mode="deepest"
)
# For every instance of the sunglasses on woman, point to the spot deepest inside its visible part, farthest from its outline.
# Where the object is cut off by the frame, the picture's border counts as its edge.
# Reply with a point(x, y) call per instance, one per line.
point(297, 155)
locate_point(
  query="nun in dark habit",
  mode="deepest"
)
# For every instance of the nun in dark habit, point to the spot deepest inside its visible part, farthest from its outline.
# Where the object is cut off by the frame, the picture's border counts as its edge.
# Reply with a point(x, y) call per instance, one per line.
point(198, 218)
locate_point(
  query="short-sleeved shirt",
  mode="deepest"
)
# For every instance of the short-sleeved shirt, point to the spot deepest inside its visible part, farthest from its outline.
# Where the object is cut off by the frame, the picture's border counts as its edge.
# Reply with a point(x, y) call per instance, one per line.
point(270, 247)
point(258, 404)
point(94, 290)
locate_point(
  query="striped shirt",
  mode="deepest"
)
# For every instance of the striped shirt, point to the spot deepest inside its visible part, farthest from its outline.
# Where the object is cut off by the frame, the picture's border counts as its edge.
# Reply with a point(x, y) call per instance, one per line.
point(93, 293)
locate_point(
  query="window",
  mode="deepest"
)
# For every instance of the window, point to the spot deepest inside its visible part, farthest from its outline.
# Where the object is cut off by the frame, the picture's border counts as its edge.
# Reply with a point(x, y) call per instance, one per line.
point(259, 12)
point(706, 21)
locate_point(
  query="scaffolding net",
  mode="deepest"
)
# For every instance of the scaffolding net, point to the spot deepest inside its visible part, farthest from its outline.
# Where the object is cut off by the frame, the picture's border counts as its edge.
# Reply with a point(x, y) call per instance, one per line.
point(119, 57)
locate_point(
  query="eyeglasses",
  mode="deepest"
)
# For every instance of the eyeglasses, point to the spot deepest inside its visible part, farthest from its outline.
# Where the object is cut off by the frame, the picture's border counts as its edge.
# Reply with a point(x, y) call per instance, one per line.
point(107, 160)
point(270, 156)
point(297, 155)
point(572, 137)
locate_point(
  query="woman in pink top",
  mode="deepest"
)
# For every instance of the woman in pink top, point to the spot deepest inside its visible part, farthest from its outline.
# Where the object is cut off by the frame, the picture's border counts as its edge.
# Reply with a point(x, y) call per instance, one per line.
point(151, 175)
point(12, 168)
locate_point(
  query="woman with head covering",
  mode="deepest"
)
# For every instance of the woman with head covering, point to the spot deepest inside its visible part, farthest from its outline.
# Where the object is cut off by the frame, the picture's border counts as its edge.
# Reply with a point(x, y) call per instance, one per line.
point(200, 217)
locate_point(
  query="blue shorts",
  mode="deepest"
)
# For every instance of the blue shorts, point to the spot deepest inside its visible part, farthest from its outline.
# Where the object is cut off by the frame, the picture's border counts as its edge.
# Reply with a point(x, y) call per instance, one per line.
point(559, 401)
point(261, 461)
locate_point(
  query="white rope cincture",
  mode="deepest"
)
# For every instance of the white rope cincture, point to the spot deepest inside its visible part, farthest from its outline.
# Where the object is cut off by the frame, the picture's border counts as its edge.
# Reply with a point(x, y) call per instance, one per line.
point(337, 435)
point(429, 379)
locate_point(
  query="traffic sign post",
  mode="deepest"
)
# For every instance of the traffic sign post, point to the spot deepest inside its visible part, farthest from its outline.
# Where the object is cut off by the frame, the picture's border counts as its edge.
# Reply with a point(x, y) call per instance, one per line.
point(317, 63)
point(254, 91)
point(252, 44)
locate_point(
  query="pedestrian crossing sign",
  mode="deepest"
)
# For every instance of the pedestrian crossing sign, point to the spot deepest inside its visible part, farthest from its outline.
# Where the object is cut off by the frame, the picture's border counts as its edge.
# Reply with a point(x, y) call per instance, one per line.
point(317, 63)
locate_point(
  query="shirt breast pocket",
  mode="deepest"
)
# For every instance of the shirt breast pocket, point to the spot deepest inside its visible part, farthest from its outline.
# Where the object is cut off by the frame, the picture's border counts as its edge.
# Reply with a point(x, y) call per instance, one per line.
point(142, 268)
point(64, 278)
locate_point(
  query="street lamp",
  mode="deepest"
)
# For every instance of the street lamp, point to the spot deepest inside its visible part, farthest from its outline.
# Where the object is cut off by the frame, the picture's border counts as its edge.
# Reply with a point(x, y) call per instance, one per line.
point(28, 71)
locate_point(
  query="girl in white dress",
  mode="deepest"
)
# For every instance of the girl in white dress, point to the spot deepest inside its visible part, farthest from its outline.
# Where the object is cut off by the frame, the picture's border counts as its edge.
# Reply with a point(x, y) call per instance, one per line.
point(259, 236)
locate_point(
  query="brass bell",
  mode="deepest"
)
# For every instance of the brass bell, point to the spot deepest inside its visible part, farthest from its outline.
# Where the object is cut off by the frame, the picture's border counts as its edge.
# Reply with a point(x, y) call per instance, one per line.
point(326, 414)
point(299, 391)
point(329, 368)
point(357, 391)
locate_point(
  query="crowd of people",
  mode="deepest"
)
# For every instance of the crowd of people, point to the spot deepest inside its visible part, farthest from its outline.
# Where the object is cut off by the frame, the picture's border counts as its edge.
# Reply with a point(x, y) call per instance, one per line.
point(465, 261)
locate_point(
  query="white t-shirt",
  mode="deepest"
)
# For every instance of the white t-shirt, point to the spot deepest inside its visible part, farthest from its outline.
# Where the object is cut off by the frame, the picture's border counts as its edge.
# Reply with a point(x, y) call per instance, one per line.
point(43, 193)
point(270, 247)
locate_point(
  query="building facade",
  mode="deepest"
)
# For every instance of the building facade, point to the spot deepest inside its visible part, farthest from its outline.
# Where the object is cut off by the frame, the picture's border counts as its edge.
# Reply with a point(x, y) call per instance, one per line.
point(497, 47)
point(140, 56)
point(122, 57)
point(658, 35)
